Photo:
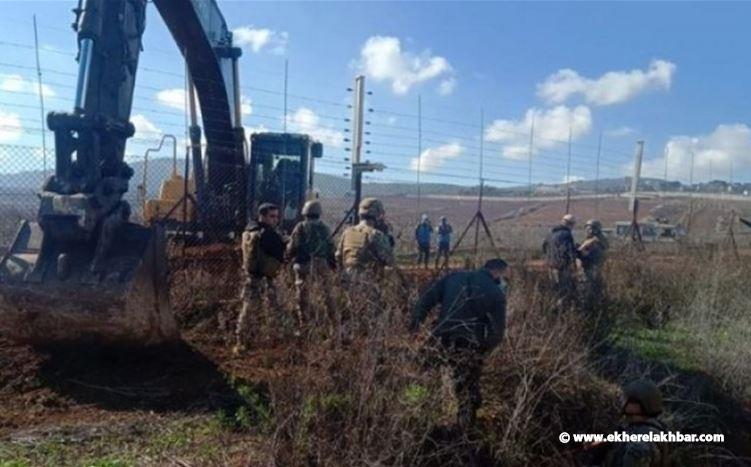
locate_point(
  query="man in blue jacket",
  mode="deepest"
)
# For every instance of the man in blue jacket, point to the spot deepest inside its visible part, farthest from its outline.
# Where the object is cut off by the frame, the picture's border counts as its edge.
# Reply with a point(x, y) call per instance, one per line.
point(470, 324)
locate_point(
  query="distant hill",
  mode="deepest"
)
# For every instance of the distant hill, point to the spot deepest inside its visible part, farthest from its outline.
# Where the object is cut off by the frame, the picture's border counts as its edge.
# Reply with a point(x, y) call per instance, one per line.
point(332, 186)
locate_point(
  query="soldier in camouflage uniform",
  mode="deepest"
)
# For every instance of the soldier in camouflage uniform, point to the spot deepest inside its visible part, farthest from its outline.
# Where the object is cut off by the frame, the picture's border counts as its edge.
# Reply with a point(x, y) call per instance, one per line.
point(363, 253)
point(560, 256)
point(592, 253)
point(262, 259)
point(363, 248)
point(311, 249)
point(642, 405)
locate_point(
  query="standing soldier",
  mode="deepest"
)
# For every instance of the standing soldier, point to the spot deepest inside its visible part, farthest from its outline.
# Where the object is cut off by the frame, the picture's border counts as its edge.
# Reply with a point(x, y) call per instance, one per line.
point(444, 232)
point(592, 254)
point(471, 323)
point(423, 234)
point(641, 409)
point(363, 248)
point(263, 255)
point(560, 255)
point(311, 249)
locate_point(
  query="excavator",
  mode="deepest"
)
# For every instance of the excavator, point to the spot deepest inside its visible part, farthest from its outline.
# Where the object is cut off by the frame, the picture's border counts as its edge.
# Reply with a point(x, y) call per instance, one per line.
point(84, 271)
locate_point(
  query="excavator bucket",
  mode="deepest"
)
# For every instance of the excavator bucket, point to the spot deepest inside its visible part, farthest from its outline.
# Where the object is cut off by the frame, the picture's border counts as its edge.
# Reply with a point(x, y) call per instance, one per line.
point(62, 302)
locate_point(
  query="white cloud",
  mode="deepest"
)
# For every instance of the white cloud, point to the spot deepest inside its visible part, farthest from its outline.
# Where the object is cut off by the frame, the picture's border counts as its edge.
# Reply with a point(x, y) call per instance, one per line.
point(433, 158)
point(728, 145)
point(447, 86)
point(258, 39)
point(145, 127)
point(174, 98)
point(10, 127)
point(551, 127)
point(612, 87)
point(383, 59)
point(391, 120)
point(620, 132)
point(17, 83)
point(246, 105)
point(571, 179)
point(305, 120)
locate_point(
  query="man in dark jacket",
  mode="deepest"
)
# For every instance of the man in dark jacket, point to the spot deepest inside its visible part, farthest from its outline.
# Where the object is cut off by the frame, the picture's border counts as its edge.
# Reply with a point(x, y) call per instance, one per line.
point(560, 255)
point(262, 258)
point(470, 324)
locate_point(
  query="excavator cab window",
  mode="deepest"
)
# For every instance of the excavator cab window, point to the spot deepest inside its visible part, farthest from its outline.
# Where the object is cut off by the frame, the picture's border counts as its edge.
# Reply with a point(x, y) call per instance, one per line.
point(281, 172)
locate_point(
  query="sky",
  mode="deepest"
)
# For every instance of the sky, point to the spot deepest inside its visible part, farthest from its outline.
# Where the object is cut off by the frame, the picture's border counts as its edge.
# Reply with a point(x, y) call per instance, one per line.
point(672, 74)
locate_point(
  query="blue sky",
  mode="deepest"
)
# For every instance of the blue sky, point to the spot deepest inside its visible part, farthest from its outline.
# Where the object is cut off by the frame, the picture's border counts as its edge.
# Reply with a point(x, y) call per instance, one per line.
point(673, 74)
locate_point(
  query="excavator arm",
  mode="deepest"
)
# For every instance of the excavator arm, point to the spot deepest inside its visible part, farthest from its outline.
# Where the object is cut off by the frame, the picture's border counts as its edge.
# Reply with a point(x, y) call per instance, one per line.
point(83, 270)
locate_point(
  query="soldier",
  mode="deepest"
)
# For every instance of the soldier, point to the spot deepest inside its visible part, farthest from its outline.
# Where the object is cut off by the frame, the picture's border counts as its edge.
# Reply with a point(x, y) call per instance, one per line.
point(363, 247)
point(592, 254)
point(641, 408)
point(311, 249)
point(423, 234)
point(560, 255)
point(471, 323)
point(444, 232)
point(263, 255)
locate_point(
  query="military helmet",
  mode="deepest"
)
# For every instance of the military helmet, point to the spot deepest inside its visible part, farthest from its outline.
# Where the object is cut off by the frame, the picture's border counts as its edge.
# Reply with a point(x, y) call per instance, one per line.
point(312, 208)
point(371, 207)
point(594, 224)
point(646, 393)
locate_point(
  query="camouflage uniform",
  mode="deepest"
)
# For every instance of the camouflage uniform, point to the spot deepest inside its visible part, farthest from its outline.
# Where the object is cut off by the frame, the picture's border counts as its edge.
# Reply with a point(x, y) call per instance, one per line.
point(363, 253)
point(638, 453)
point(560, 253)
point(263, 255)
point(311, 248)
point(592, 254)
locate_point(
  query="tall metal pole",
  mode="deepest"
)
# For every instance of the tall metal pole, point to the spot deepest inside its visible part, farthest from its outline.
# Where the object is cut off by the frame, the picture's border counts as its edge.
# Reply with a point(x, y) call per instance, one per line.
point(482, 140)
point(597, 177)
point(667, 156)
point(568, 174)
point(357, 132)
point(637, 174)
point(419, 148)
point(41, 98)
point(690, 193)
point(531, 151)
point(286, 75)
point(481, 185)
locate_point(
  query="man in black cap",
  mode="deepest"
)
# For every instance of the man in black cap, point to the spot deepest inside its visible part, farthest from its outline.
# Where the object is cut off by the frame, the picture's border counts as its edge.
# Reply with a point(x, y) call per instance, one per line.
point(470, 324)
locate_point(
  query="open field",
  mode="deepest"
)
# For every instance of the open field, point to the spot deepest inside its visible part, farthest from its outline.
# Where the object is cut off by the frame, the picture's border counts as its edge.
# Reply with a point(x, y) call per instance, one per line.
point(314, 401)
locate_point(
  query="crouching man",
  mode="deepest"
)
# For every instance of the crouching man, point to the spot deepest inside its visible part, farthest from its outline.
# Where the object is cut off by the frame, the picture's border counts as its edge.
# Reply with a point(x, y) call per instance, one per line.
point(471, 323)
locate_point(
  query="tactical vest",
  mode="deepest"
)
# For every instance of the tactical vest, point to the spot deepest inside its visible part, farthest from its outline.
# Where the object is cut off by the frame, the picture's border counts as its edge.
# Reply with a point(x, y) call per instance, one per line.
point(257, 262)
point(356, 247)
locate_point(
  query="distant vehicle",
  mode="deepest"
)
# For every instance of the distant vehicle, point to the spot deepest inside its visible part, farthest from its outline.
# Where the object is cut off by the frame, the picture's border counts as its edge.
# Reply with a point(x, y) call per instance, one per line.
point(650, 231)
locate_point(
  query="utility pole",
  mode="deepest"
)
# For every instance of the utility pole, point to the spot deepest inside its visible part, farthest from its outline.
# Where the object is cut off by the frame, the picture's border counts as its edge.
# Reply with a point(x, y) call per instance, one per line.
point(690, 193)
point(634, 230)
point(41, 99)
point(568, 174)
point(531, 151)
point(419, 149)
point(597, 177)
point(357, 130)
point(481, 183)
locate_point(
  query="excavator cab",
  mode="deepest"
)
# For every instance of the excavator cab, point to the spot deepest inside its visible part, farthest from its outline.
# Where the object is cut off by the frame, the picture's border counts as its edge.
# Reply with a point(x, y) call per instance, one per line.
point(281, 172)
